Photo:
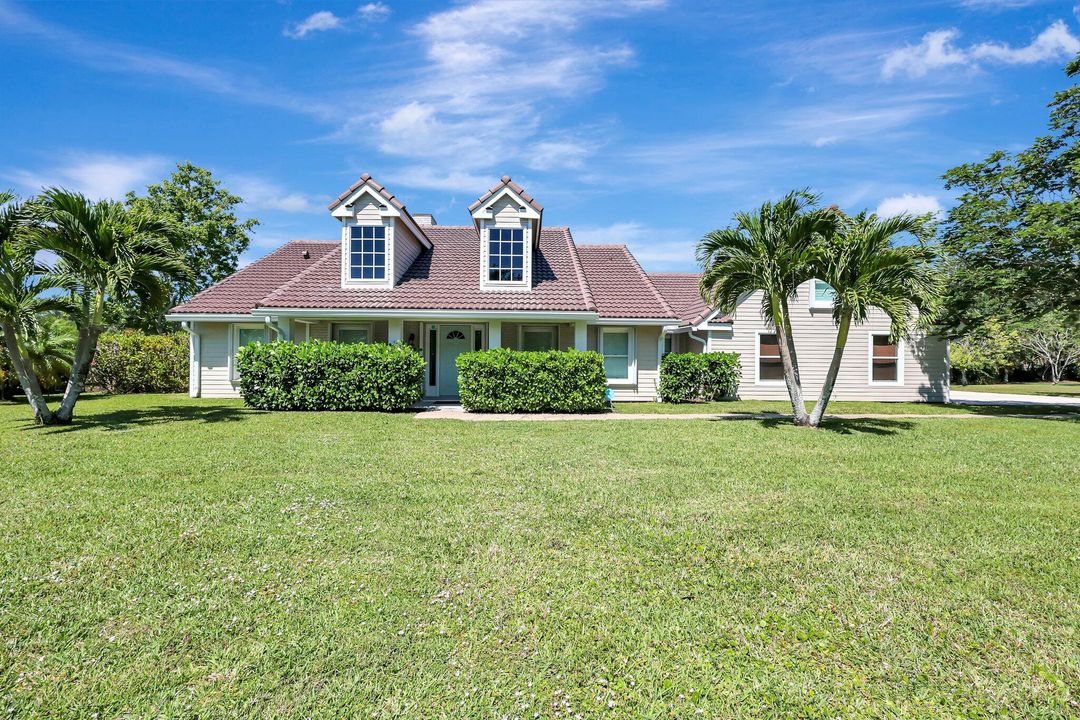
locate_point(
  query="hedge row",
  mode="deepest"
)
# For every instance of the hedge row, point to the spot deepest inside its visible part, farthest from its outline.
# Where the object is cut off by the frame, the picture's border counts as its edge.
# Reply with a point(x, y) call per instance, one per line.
point(131, 362)
point(686, 377)
point(508, 381)
point(330, 376)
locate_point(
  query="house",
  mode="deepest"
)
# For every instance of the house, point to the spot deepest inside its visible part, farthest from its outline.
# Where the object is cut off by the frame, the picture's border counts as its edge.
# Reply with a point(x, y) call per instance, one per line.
point(507, 280)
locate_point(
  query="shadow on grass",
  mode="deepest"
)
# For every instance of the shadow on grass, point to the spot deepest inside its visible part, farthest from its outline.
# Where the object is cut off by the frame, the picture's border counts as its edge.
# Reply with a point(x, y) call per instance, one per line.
point(853, 426)
point(127, 419)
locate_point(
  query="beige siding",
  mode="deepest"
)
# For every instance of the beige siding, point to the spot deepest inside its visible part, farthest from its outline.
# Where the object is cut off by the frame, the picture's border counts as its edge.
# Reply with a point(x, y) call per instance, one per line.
point(511, 334)
point(566, 336)
point(924, 363)
point(367, 211)
point(214, 348)
point(406, 249)
point(647, 360)
point(506, 213)
point(411, 328)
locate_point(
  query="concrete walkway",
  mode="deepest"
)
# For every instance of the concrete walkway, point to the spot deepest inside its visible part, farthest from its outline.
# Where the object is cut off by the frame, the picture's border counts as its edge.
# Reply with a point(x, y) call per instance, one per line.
point(966, 397)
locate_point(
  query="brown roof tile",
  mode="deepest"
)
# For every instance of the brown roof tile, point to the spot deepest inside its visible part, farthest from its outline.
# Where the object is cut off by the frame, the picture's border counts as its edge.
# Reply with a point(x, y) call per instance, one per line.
point(505, 181)
point(682, 291)
point(242, 291)
point(386, 195)
point(619, 285)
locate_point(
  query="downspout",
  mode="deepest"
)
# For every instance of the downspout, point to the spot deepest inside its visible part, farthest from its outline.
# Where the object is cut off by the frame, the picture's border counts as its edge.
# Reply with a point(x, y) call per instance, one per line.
point(275, 327)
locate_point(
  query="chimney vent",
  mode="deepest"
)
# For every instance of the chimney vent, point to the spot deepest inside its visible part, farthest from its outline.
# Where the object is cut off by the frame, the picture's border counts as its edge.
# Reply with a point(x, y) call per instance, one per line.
point(424, 219)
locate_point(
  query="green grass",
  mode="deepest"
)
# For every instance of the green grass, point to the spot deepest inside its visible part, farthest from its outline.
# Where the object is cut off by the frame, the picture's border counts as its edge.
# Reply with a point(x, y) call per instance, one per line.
point(174, 558)
point(844, 407)
point(1064, 388)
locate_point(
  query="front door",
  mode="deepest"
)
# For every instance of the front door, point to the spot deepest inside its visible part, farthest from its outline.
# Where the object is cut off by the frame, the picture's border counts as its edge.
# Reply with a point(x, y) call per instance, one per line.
point(453, 340)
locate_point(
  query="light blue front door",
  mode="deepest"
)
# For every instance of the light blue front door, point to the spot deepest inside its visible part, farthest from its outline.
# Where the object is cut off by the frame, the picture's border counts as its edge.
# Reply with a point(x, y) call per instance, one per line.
point(453, 340)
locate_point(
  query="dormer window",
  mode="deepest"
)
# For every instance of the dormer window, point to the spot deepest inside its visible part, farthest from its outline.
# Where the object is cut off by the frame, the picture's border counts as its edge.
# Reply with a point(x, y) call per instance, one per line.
point(506, 255)
point(367, 252)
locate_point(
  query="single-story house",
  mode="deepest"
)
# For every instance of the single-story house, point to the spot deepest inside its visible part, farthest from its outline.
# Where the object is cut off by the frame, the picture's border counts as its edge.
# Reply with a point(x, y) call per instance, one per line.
point(507, 280)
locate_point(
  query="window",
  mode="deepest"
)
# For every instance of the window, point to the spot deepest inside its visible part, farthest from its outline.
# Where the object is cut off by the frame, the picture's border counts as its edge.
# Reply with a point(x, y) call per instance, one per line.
point(367, 252)
point(822, 294)
point(770, 366)
point(616, 345)
point(506, 255)
point(539, 337)
point(884, 359)
point(478, 339)
point(433, 341)
point(244, 335)
point(352, 333)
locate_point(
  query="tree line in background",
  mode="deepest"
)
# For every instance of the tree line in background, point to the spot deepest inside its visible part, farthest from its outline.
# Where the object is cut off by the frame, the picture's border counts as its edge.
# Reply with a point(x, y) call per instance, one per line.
point(72, 269)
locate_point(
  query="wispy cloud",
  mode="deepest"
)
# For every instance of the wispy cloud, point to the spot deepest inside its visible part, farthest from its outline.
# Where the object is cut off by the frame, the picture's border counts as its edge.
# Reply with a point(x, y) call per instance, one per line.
point(909, 203)
point(262, 194)
point(96, 175)
point(327, 20)
point(938, 49)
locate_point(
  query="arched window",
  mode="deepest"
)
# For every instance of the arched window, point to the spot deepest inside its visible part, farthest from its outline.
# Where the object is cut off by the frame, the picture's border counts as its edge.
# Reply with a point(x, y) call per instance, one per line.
point(455, 335)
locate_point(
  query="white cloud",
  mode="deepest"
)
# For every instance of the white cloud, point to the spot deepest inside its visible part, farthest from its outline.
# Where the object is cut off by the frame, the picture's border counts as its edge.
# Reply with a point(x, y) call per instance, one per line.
point(261, 194)
point(938, 49)
point(326, 20)
point(96, 175)
point(428, 178)
point(909, 203)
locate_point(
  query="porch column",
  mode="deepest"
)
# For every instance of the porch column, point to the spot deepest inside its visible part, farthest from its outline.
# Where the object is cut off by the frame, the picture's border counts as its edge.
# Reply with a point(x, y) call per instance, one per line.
point(394, 330)
point(494, 334)
point(195, 364)
point(581, 336)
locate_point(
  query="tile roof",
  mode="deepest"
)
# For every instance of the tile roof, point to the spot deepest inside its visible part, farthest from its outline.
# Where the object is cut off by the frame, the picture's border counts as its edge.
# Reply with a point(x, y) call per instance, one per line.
point(619, 285)
point(682, 292)
point(242, 291)
point(366, 179)
point(505, 181)
point(447, 277)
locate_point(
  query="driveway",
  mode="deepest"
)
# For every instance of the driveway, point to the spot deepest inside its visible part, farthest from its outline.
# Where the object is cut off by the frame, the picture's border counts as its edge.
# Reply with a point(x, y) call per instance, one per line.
point(965, 397)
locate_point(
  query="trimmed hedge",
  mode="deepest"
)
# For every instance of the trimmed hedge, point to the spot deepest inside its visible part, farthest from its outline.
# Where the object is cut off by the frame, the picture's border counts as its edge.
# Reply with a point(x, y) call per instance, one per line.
point(686, 377)
point(132, 362)
point(317, 375)
point(510, 381)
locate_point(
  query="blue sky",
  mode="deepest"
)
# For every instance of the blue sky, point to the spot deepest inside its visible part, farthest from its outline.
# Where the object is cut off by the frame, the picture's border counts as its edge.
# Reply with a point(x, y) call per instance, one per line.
point(645, 122)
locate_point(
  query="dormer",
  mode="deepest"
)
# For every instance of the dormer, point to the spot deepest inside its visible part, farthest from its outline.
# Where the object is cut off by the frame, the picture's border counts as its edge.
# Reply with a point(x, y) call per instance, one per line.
point(508, 221)
point(379, 239)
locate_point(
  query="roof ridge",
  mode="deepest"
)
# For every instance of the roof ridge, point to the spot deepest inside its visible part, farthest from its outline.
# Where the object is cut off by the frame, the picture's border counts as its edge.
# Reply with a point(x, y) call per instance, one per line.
point(583, 283)
point(675, 274)
point(657, 293)
point(288, 284)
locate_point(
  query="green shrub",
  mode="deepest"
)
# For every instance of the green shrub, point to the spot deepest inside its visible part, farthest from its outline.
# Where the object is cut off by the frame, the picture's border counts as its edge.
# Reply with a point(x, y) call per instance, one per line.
point(506, 381)
point(131, 362)
point(318, 375)
point(686, 377)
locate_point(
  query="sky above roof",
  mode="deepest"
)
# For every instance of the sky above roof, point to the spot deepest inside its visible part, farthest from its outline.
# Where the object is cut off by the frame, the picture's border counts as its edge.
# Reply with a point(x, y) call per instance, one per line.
point(643, 122)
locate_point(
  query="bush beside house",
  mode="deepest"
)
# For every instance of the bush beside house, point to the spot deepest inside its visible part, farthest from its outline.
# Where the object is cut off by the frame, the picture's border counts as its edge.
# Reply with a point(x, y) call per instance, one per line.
point(688, 377)
point(510, 381)
point(132, 362)
point(330, 376)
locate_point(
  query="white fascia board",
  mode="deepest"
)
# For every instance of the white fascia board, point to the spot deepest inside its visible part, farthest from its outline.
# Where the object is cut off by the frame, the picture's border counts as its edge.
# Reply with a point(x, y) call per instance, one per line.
point(713, 326)
point(212, 317)
point(386, 208)
point(513, 315)
point(484, 211)
point(637, 321)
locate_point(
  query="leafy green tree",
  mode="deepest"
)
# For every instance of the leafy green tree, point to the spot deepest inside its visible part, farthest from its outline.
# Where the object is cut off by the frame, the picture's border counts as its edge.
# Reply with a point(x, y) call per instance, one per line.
point(991, 349)
point(209, 235)
point(106, 254)
point(1013, 237)
point(867, 269)
point(768, 250)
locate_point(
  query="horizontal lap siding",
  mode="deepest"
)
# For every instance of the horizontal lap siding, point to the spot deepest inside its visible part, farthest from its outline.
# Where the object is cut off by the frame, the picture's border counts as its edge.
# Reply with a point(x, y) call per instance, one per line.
point(406, 250)
point(925, 368)
point(648, 372)
point(214, 343)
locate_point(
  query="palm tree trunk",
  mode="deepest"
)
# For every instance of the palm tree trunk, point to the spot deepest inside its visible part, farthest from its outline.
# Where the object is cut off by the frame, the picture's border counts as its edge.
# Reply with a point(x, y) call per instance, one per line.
point(790, 361)
point(27, 379)
point(834, 370)
point(84, 356)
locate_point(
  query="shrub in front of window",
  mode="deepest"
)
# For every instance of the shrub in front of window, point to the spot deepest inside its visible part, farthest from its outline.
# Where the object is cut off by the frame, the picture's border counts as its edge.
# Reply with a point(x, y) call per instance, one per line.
point(689, 377)
point(132, 362)
point(318, 375)
point(513, 381)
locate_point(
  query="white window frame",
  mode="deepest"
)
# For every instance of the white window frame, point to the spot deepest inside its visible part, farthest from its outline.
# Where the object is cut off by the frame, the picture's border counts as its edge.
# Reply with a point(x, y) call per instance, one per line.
point(334, 327)
point(757, 358)
point(870, 361)
point(553, 329)
point(234, 343)
point(631, 349)
point(816, 304)
point(526, 261)
point(347, 280)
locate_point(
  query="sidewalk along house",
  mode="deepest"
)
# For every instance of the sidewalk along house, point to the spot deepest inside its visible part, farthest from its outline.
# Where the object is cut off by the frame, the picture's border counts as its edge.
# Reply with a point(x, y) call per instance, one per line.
point(503, 280)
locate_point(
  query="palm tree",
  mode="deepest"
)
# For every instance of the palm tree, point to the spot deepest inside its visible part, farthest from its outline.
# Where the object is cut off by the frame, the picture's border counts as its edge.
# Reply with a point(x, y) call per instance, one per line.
point(866, 270)
point(50, 350)
point(106, 253)
point(770, 251)
point(27, 292)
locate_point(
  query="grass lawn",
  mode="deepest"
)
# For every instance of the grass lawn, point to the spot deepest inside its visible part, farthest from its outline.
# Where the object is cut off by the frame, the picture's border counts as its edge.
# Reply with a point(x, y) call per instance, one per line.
point(1066, 387)
point(842, 407)
point(179, 558)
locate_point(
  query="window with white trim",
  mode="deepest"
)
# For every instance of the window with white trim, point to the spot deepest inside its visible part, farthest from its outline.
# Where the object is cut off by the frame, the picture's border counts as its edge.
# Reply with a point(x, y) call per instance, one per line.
point(244, 335)
point(506, 255)
point(357, 333)
point(367, 252)
point(822, 294)
point(884, 359)
point(770, 367)
point(539, 337)
point(617, 347)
